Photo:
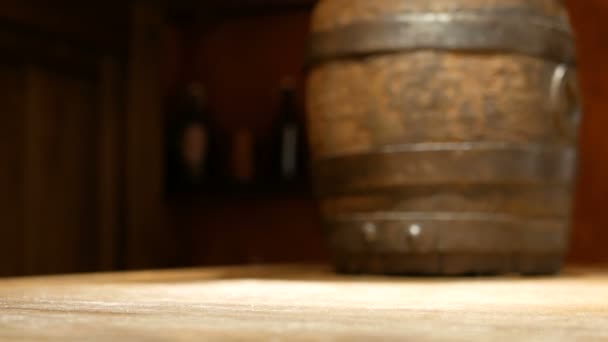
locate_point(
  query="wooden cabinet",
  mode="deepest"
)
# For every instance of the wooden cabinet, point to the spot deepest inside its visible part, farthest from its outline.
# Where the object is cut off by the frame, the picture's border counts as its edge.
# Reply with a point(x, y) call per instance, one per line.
point(60, 96)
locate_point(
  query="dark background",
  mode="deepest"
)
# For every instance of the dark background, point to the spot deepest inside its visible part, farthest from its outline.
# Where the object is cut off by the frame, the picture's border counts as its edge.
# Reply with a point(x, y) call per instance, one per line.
point(83, 101)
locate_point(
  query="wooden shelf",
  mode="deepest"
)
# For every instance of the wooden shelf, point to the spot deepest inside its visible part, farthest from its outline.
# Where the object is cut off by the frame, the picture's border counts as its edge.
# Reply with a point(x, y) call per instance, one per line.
point(303, 303)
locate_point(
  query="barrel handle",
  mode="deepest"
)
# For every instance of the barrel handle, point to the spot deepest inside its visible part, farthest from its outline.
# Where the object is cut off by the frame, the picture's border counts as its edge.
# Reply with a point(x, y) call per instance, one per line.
point(564, 101)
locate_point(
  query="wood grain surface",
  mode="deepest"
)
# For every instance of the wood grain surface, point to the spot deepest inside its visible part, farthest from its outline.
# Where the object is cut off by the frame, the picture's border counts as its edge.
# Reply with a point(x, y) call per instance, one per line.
point(308, 303)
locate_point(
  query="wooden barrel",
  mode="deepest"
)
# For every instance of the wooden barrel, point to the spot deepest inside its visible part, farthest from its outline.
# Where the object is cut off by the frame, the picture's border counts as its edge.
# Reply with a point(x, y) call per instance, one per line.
point(443, 134)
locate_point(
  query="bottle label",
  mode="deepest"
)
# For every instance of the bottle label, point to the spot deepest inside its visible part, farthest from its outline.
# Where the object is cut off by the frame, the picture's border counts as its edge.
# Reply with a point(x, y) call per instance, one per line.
point(289, 152)
point(194, 150)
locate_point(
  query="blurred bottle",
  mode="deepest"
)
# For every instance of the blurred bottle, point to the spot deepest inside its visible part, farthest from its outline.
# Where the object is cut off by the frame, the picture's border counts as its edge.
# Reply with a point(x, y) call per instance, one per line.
point(192, 144)
point(287, 144)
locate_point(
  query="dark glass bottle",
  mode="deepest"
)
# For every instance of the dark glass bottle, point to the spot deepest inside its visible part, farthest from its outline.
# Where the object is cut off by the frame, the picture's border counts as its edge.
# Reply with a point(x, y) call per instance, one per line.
point(288, 140)
point(192, 145)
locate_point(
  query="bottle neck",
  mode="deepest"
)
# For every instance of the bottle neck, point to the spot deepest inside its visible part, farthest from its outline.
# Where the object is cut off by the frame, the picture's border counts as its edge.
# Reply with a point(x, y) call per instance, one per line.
point(195, 109)
point(193, 103)
point(198, 102)
point(288, 105)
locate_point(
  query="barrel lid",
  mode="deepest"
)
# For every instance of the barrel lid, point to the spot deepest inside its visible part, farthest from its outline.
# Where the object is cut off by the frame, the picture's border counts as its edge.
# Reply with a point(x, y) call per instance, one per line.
point(352, 28)
point(331, 14)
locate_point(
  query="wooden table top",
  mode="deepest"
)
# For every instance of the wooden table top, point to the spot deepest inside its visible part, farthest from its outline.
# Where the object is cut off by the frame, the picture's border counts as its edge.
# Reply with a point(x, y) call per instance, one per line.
point(287, 303)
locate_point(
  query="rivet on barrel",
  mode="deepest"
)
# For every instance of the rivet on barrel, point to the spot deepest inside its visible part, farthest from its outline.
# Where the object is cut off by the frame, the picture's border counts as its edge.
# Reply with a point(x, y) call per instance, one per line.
point(414, 230)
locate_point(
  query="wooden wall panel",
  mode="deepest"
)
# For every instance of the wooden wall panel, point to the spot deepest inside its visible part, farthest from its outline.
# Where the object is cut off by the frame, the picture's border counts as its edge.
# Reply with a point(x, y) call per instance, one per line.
point(173, 57)
point(590, 232)
point(110, 180)
point(11, 169)
point(147, 239)
point(60, 173)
